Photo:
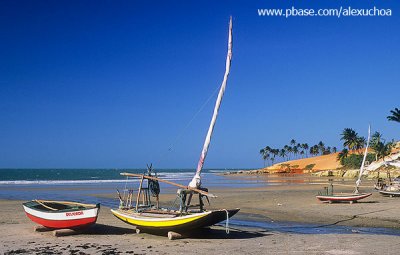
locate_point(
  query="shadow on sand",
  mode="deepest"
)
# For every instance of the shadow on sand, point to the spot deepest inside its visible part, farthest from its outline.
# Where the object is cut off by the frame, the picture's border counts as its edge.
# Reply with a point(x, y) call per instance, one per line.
point(101, 229)
point(220, 233)
point(204, 233)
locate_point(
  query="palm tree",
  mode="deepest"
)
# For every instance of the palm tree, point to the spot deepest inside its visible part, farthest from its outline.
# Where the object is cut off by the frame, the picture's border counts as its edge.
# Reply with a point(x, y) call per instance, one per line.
point(349, 138)
point(342, 155)
point(286, 148)
point(305, 147)
point(383, 149)
point(361, 142)
point(295, 150)
point(376, 138)
point(395, 115)
point(282, 153)
point(274, 153)
point(334, 149)
point(265, 153)
point(321, 147)
point(289, 150)
point(314, 150)
point(293, 142)
point(327, 150)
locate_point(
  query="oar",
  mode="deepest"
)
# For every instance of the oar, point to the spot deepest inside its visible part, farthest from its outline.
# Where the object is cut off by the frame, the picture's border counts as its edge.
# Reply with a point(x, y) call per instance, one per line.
point(46, 206)
point(171, 183)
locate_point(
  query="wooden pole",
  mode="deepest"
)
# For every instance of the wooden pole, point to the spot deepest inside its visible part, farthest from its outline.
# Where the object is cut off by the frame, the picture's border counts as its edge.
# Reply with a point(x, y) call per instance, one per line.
point(173, 235)
point(65, 232)
point(46, 206)
point(170, 183)
point(40, 228)
point(139, 191)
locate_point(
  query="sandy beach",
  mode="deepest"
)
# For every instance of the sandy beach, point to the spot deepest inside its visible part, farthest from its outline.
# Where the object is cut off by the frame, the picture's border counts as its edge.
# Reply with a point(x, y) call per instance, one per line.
point(294, 202)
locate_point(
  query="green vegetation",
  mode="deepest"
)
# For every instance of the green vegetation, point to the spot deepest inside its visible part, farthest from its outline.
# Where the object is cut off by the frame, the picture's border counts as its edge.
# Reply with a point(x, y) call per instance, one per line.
point(354, 161)
point(309, 167)
point(352, 143)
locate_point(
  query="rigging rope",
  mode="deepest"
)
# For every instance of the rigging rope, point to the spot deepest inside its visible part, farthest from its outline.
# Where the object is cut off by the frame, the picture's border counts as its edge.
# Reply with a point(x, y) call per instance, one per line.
point(179, 136)
point(227, 221)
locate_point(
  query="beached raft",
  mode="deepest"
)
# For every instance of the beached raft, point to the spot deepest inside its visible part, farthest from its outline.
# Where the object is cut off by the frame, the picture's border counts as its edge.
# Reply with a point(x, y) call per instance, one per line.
point(61, 214)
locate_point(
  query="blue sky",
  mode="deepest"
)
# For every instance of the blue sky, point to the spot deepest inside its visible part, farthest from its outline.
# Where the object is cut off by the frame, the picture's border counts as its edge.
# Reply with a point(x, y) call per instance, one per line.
point(115, 83)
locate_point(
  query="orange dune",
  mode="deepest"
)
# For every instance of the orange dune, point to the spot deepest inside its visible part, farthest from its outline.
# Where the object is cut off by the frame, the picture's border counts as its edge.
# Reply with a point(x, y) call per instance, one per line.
point(324, 162)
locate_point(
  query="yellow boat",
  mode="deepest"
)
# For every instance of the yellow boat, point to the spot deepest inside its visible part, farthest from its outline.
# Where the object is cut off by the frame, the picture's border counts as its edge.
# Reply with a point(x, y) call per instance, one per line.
point(187, 216)
point(155, 220)
point(149, 217)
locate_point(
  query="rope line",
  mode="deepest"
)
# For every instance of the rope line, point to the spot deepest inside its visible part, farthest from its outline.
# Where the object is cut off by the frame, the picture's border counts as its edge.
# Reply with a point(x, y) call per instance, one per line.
point(227, 221)
point(179, 136)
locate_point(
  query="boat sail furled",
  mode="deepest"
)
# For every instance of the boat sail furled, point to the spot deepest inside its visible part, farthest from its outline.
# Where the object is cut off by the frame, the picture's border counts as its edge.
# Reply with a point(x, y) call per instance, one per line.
point(196, 181)
point(358, 182)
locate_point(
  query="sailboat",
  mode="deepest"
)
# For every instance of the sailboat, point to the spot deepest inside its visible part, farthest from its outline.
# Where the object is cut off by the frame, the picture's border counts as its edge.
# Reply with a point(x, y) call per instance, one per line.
point(186, 216)
point(330, 197)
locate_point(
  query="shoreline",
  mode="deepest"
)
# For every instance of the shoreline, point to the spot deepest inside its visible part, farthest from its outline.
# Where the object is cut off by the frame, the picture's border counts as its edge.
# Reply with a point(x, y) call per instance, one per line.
point(268, 207)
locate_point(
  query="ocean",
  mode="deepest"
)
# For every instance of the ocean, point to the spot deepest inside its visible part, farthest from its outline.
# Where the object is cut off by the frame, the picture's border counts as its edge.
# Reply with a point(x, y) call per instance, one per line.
point(95, 185)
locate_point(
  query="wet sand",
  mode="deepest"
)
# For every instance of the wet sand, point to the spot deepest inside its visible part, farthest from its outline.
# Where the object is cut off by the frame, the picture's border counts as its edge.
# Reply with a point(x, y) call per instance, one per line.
point(291, 202)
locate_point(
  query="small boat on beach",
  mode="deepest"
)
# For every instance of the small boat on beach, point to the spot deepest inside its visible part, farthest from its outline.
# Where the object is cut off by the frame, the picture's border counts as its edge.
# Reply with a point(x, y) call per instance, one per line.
point(61, 214)
point(329, 196)
point(390, 193)
point(184, 215)
point(392, 189)
point(149, 217)
point(343, 197)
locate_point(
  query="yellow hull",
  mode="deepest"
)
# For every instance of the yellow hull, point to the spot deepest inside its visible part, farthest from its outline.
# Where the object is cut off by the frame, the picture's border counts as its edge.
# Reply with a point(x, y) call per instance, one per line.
point(172, 222)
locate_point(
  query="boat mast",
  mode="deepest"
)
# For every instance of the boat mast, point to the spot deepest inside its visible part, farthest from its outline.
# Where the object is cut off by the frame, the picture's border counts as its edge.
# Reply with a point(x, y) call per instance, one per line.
point(196, 181)
point(358, 182)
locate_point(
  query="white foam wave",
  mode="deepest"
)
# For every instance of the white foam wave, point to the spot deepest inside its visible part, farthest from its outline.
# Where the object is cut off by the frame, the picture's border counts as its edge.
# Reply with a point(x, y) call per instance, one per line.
point(171, 176)
point(44, 182)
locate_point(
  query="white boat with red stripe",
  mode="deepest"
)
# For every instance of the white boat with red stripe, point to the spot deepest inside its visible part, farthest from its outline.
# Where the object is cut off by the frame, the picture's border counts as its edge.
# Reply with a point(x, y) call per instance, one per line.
point(61, 214)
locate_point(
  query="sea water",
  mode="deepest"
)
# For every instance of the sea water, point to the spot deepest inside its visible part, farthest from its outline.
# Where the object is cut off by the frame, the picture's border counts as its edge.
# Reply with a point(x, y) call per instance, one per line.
point(88, 185)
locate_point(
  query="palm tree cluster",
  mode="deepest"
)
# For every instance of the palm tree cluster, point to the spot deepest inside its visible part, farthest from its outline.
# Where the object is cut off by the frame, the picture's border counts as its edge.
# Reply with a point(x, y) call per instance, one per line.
point(351, 141)
point(380, 146)
point(354, 142)
point(295, 150)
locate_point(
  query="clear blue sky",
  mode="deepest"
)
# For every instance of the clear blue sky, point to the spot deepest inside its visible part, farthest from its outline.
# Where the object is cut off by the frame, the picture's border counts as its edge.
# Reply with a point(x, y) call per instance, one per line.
point(114, 83)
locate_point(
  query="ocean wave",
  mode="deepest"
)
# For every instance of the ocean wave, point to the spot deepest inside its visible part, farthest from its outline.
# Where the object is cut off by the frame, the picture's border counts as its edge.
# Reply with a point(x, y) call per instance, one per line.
point(42, 182)
point(170, 176)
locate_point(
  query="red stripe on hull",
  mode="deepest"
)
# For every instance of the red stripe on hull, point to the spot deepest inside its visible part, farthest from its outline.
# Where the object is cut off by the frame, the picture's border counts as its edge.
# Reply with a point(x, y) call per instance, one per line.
point(59, 224)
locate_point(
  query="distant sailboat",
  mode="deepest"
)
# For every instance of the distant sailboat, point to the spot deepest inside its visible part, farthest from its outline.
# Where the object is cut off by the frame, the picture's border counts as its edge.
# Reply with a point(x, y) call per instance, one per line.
point(330, 197)
point(187, 216)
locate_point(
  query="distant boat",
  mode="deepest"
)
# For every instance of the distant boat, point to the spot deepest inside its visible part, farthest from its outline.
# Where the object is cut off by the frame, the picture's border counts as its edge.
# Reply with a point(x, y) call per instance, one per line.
point(330, 197)
point(343, 197)
point(392, 190)
point(61, 214)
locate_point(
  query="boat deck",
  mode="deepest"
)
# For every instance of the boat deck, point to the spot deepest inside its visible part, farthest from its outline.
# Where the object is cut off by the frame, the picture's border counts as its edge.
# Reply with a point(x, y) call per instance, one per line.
point(149, 213)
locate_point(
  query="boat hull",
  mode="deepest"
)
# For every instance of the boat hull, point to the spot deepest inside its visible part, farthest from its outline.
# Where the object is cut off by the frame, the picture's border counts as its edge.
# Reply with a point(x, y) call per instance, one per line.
point(390, 193)
point(178, 224)
point(71, 219)
point(343, 198)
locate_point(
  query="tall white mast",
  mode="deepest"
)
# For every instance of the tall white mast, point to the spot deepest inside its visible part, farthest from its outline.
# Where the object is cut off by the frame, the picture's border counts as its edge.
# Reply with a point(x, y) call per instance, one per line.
point(196, 181)
point(358, 182)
